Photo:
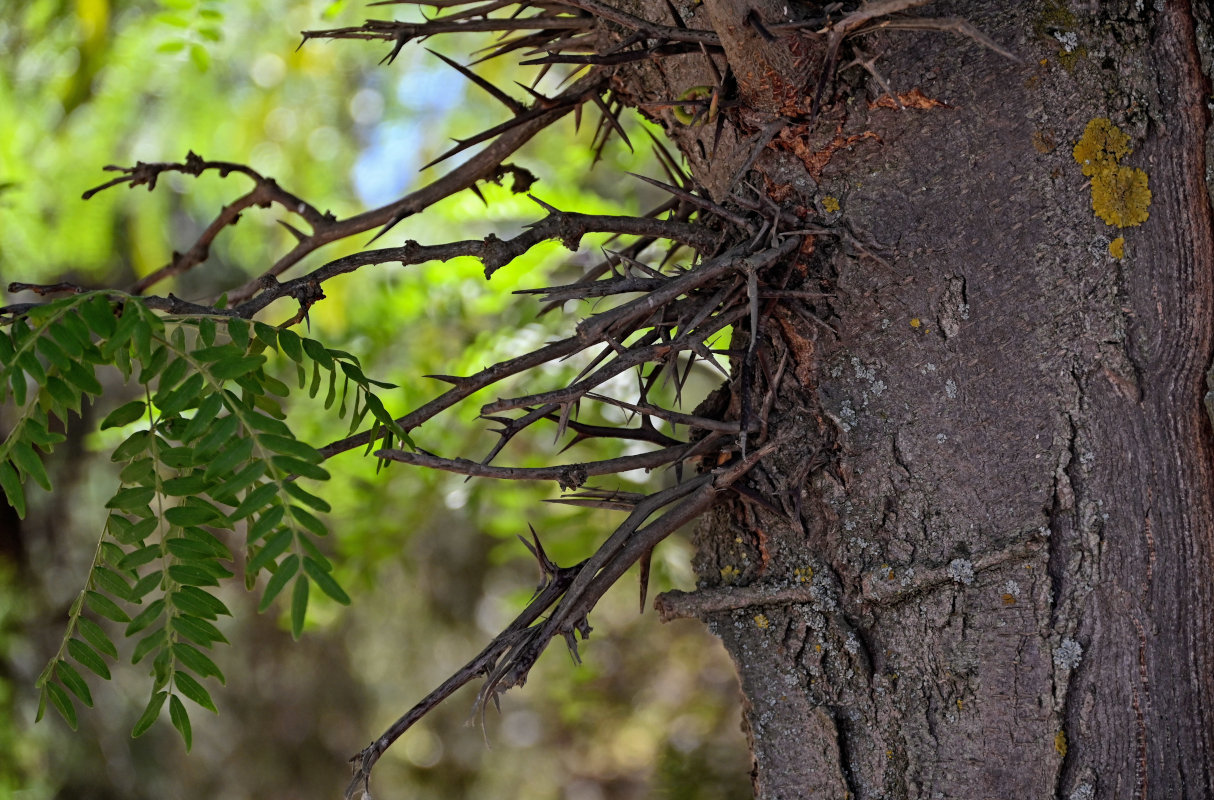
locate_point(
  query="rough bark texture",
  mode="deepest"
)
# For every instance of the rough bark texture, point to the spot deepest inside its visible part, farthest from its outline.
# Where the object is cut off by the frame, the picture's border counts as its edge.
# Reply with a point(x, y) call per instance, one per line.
point(980, 563)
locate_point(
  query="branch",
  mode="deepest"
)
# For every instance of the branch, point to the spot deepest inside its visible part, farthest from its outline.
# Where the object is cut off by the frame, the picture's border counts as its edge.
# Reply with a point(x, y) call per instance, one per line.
point(569, 476)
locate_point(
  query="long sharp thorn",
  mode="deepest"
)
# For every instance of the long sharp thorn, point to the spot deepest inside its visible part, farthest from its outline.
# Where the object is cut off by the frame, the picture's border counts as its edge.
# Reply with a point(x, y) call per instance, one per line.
point(401, 41)
point(550, 209)
point(646, 561)
point(542, 98)
point(296, 232)
point(678, 21)
point(610, 118)
point(509, 102)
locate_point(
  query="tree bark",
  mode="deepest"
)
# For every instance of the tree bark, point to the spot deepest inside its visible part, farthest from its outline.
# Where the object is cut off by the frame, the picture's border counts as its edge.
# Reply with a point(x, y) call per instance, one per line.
point(979, 563)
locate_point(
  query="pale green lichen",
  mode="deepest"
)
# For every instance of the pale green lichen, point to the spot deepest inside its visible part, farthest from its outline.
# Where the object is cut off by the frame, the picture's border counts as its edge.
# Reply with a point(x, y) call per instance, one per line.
point(1120, 194)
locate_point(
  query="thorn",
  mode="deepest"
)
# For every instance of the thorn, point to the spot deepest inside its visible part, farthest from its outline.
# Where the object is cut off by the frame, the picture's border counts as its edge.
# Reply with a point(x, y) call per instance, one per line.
point(296, 232)
point(509, 102)
point(646, 562)
point(543, 205)
point(452, 379)
point(401, 41)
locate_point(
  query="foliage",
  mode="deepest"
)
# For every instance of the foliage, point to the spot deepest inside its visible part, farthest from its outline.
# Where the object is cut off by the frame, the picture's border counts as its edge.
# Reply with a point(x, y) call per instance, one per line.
point(208, 449)
point(169, 122)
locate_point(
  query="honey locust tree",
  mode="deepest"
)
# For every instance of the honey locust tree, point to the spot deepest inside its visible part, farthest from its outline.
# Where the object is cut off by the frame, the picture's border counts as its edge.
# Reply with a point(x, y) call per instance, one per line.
point(953, 497)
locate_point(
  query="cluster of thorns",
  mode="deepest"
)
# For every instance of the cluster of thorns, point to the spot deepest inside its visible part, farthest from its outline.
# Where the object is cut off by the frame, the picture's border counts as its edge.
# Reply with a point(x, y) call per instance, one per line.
point(669, 324)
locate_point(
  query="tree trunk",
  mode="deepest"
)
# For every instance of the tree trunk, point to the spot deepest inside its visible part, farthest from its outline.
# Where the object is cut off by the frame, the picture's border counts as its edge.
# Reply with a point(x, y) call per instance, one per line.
point(979, 563)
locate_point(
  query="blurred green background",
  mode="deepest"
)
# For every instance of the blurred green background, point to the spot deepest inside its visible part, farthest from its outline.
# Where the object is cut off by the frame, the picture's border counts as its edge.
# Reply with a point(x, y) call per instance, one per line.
point(431, 561)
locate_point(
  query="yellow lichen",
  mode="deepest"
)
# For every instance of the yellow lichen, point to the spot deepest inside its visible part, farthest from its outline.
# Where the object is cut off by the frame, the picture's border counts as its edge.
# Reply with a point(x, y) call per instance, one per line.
point(830, 204)
point(762, 621)
point(1120, 195)
point(803, 574)
point(1060, 742)
point(1101, 147)
point(730, 573)
point(1117, 247)
point(915, 323)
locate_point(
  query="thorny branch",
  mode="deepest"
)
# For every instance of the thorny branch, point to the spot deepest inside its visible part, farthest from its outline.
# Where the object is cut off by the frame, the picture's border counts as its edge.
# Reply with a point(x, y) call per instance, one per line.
point(663, 320)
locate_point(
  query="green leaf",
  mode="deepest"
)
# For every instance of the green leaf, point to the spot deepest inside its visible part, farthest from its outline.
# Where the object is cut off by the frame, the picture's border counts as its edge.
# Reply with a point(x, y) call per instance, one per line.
point(220, 433)
point(141, 471)
point(206, 331)
point(148, 643)
point(137, 558)
point(238, 332)
point(226, 461)
point(149, 715)
point(28, 462)
point(181, 397)
point(293, 466)
point(265, 523)
point(135, 444)
point(62, 394)
point(325, 581)
point(188, 550)
point(217, 353)
point(104, 606)
point(299, 606)
point(146, 584)
point(308, 521)
point(135, 533)
point(62, 703)
point(197, 602)
point(55, 354)
point(191, 688)
point(266, 333)
point(11, 483)
point(304, 496)
point(145, 618)
point(82, 377)
point(181, 721)
point(16, 377)
point(194, 513)
point(70, 678)
point(226, 491)
point(170, 378)
point(113, 583)
point(292, 447)
point(133, 497)
point(207, 542)
point(265, 424)
point(286, 570)
point(35, 430)
point(185, 485)
point(99, 315)
point(192, 575)
point(290, 344)
point(96, 636)
point(88, 657)
point(235, 367)
point(195, 659)
point(197, 630)
point(275, 546)
point(207, 411)
point(255, 500)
